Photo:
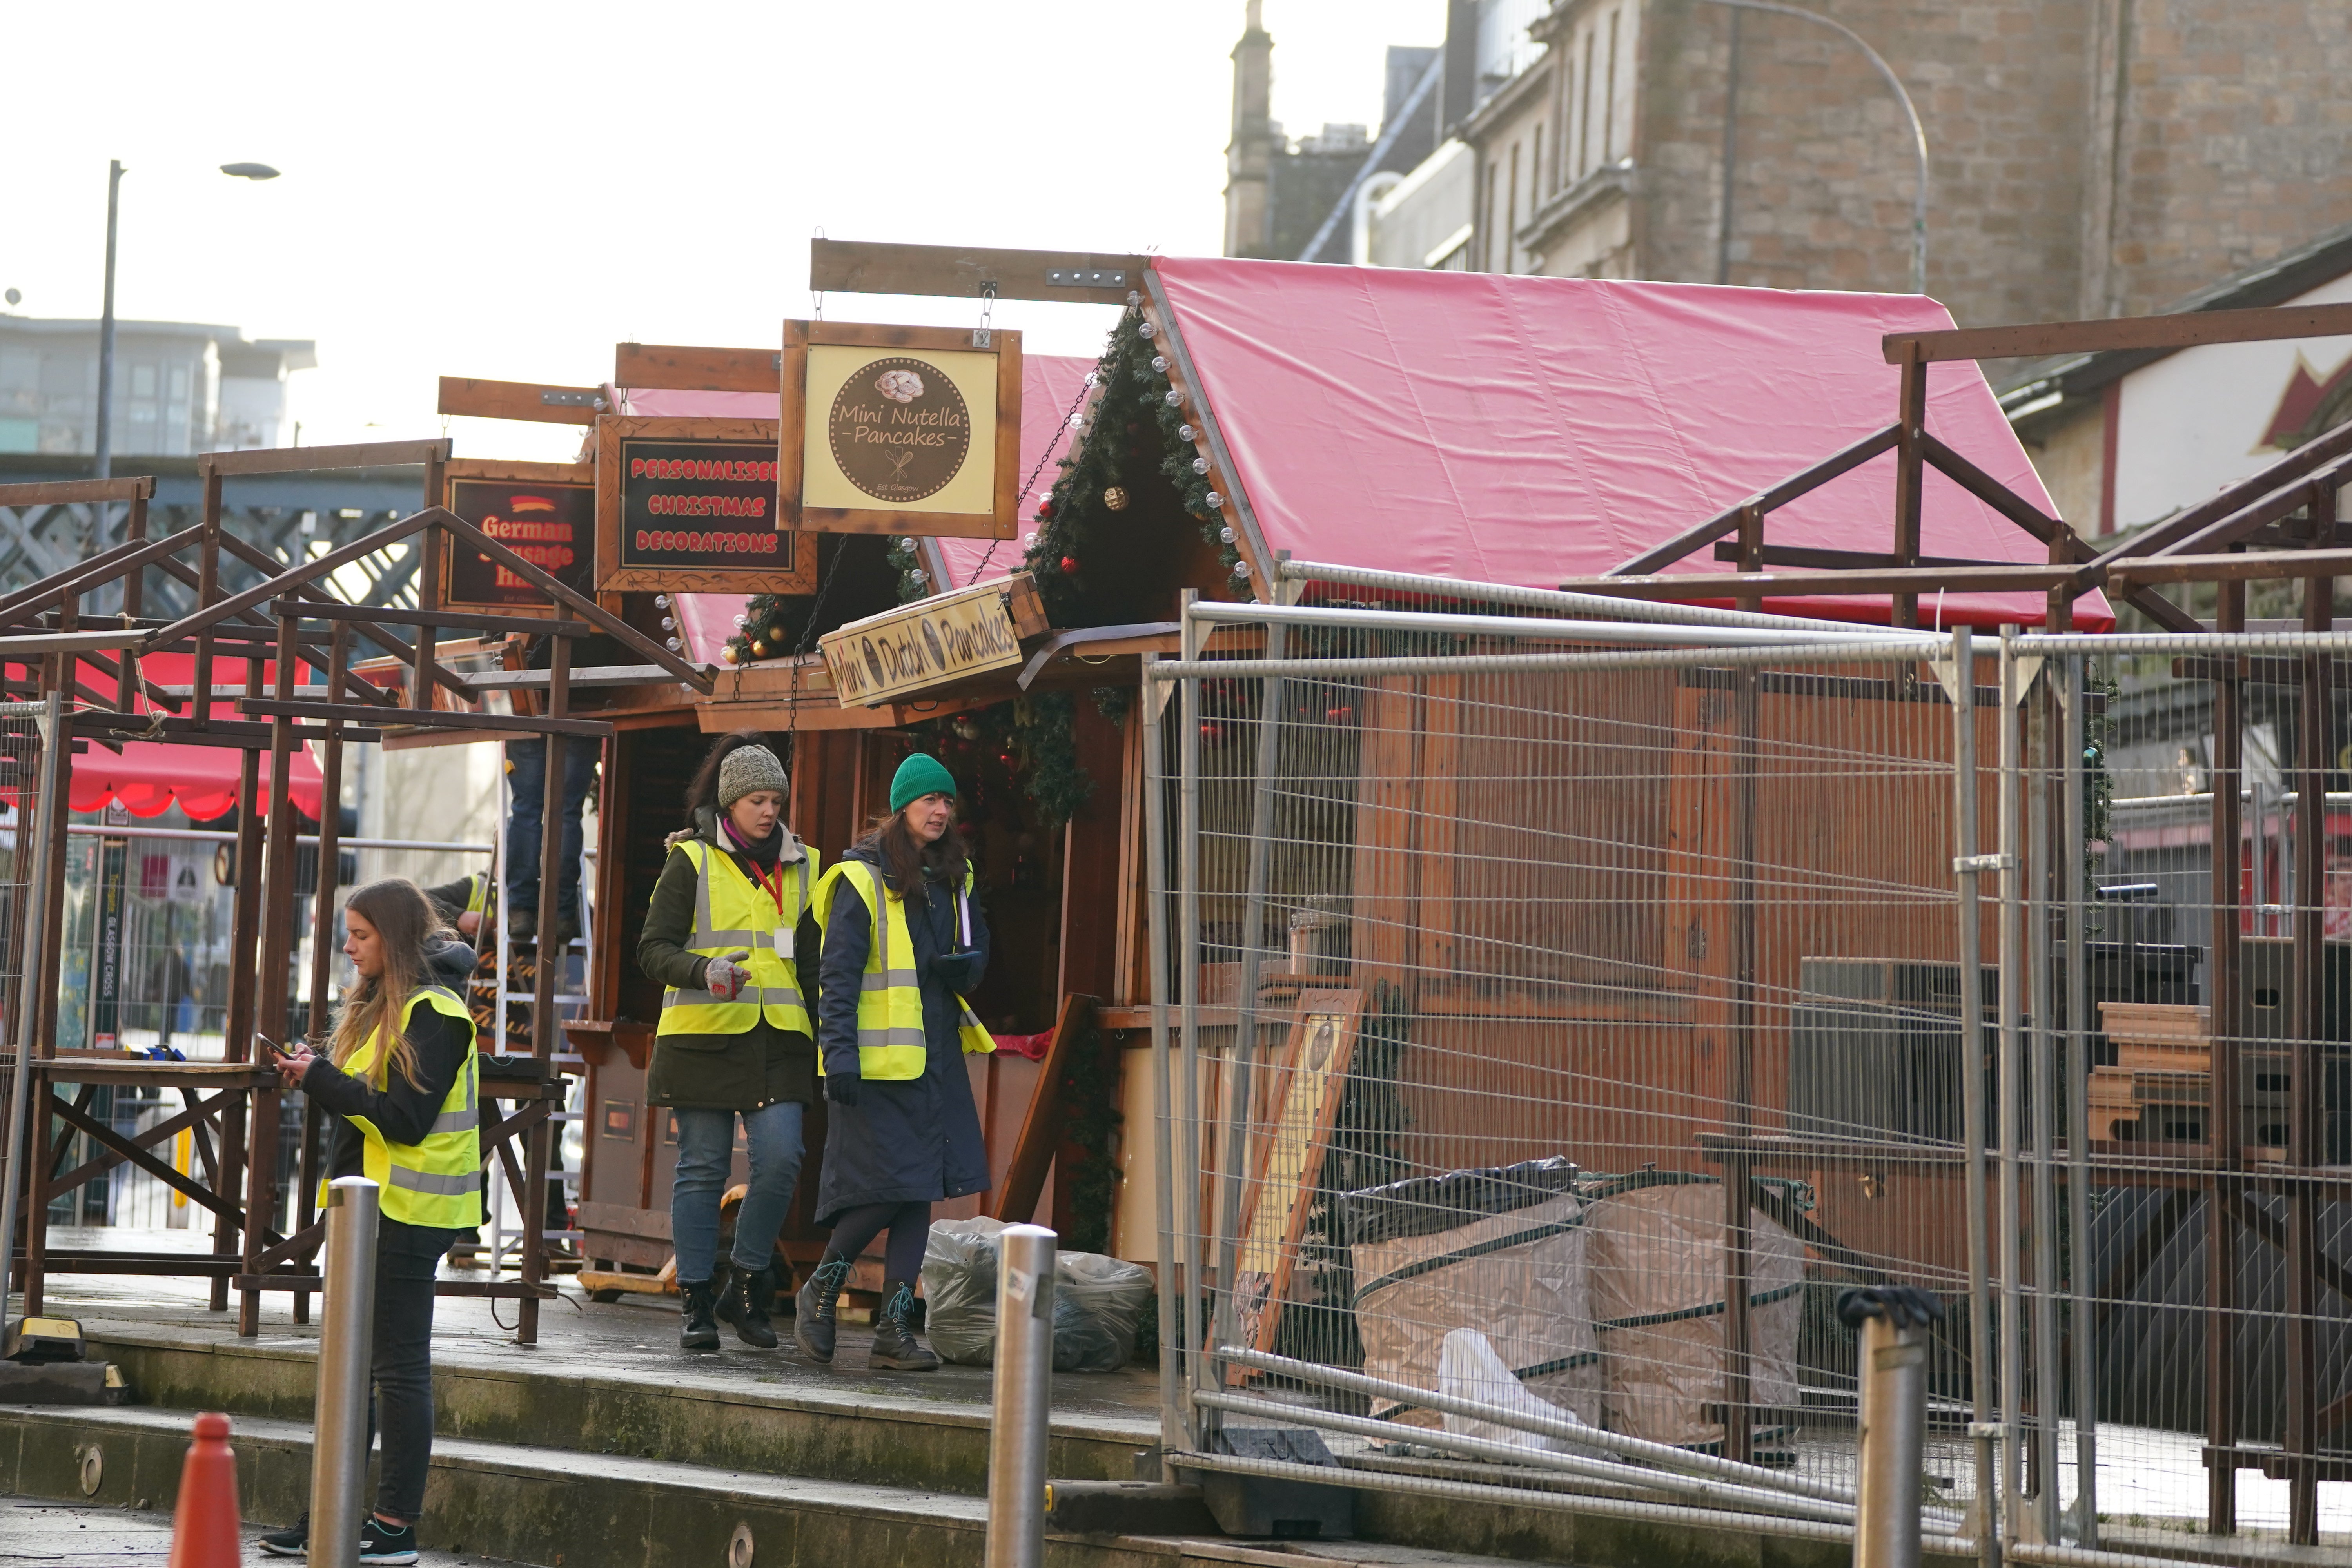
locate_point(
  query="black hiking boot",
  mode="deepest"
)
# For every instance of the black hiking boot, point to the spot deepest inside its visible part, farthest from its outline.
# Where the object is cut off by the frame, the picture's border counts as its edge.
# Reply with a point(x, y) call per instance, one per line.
point(813, 1323)
point(895, 1344)
point(744, 1303)
point(698, 1328)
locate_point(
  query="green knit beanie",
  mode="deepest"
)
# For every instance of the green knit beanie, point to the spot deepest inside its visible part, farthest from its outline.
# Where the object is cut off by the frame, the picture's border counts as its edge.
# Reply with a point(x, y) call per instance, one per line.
point(918, 776)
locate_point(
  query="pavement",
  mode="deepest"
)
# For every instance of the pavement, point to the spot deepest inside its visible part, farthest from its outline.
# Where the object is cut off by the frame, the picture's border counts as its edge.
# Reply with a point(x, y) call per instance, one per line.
point(76, 1535)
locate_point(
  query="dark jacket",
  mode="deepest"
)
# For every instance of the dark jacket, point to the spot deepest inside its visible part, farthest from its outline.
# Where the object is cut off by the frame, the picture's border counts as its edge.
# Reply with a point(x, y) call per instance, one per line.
point(404, 1112)
point(913, 1140)
point(764, 1064)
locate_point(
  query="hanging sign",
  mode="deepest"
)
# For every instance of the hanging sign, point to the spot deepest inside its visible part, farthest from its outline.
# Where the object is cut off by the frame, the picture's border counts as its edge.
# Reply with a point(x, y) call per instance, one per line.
point(544, 512)
point(932, 640)
point(689, 505)
point(906, 430)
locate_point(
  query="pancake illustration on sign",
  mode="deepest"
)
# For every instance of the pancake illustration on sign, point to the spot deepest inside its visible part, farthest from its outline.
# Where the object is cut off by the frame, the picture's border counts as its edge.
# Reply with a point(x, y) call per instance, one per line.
point(931, 641)
point(898, 430)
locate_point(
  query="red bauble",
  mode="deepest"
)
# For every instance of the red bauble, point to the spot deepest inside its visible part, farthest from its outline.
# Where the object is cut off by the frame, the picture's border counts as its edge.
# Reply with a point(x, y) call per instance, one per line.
point(1069, 565)
point(1045, 509)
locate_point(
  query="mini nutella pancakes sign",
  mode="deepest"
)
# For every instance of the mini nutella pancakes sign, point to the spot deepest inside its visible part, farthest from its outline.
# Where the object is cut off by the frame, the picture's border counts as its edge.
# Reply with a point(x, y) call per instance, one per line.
point(899, 429)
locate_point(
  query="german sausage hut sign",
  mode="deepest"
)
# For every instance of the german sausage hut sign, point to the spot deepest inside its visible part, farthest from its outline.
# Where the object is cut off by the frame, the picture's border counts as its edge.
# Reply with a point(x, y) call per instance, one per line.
point(905, 430)
point(544, 512)
point(689, 505)
point(921, 644)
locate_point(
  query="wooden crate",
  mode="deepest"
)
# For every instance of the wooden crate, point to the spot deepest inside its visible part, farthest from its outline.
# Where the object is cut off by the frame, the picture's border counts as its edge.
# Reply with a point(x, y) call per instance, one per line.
point(2155, 1022)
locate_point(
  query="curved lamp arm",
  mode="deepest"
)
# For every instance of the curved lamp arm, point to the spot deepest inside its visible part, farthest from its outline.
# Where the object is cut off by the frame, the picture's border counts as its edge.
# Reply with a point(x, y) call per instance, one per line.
point(1918, 130)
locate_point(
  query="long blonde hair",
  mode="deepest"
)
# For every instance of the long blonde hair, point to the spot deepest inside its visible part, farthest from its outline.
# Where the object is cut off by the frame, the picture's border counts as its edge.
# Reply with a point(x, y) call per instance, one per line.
point(403, 919)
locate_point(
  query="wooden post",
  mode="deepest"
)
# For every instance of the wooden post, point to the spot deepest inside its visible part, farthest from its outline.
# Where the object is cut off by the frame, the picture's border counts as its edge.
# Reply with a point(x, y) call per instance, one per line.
point(277, 962)
point(533, 1202)
point(1909, 471)
point(323, 935)
point(2223, 1222)
point(2307, 1143)
point(207, 594)
point(237, 1173)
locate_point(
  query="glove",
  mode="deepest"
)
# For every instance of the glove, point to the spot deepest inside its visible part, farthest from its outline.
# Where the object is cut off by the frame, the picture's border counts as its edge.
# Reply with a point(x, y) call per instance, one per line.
point(724, 978)
point(1906, 1305)
point(841, 1087)
point(955, 970)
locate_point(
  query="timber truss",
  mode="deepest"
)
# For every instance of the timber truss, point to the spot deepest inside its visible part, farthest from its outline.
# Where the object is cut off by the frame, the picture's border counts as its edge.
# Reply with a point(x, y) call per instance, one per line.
point(79, 669)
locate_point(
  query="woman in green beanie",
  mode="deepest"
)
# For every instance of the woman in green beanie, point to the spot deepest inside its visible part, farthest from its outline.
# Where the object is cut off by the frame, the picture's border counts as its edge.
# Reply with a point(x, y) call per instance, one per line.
point(904, 945)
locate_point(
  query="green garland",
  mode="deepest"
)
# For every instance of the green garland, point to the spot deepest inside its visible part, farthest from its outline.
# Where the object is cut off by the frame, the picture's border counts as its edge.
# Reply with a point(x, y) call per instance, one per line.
point(1089, 1121)
point(1117, 448)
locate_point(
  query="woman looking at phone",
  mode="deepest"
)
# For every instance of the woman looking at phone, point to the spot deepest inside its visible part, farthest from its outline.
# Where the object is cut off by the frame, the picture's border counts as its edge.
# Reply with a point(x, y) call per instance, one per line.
point(398, 1077)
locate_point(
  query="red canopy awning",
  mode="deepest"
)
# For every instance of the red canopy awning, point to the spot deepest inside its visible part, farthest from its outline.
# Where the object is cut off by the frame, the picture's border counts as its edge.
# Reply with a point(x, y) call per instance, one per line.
point(147, 778)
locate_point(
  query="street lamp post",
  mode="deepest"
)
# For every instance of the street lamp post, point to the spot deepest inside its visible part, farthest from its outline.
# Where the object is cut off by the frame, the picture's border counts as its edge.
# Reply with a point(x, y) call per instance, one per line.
point(103, 465)
point(1919, 132)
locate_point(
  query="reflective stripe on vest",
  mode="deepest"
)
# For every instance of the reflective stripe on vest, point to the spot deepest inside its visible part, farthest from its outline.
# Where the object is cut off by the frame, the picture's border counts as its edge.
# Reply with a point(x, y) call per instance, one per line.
point(478, 899)
point(890, 1043)
point(733, 914)
point(437, 1182)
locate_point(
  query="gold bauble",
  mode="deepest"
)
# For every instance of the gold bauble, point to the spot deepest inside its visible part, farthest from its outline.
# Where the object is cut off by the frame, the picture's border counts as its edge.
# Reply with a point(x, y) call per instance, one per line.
point(1115, 498)
point(759, 651)
point(728, 654)
point(776, 634)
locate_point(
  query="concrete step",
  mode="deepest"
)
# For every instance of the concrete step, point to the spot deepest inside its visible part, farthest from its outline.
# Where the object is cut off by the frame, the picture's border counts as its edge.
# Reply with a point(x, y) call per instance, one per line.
point(574, 1509)
point(767, 1412)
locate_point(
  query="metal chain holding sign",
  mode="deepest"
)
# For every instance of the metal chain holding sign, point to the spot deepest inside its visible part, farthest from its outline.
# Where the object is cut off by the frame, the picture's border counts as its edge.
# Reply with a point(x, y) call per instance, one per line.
point(1092, 379)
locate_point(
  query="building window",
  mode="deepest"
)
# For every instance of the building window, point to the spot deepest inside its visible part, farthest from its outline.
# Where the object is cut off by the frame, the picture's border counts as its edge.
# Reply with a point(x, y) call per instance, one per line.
point(1609, 112)
point(142, 381)
point(1584, 120)
point(1511, 217)
point(1489, 226)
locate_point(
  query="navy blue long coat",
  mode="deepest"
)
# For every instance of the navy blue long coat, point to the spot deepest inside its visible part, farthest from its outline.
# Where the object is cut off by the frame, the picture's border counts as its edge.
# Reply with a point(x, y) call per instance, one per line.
point(911, 1140)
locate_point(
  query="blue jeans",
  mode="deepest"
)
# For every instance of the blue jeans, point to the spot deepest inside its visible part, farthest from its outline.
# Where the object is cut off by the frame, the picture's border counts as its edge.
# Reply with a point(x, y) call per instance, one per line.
point(527, 776)
point(706, 1146)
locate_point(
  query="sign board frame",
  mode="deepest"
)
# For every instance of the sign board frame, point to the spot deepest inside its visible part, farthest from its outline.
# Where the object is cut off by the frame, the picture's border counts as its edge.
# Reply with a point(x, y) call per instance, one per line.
point(475, 470)
point(928, 642)
point(793, 570)
point(999, 522)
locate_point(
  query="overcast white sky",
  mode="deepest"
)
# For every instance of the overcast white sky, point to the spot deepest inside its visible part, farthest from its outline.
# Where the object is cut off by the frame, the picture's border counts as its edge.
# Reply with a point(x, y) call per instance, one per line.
point(506, 190)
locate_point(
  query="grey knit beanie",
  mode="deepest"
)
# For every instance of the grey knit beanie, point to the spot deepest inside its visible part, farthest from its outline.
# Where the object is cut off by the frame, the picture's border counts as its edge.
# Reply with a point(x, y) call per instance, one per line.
point(745, 769)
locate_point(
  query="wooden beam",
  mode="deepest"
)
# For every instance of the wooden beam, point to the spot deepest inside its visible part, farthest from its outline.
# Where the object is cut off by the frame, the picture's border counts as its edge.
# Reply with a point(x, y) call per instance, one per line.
point(587, 608)
point(852, 267)
point(1040, 1129)
point(2030, 577)
point(533, 626)
point(2316, 490)
point(675, 369)
point(2180, 331)
point(205, 616)
point(480, 399)
point(423, 718)
point(322, 459)
point(1835, 559)
point(72, 492)
point(2302, 460)
point(1695, 538)
point(2266, 566)
point(591, 675)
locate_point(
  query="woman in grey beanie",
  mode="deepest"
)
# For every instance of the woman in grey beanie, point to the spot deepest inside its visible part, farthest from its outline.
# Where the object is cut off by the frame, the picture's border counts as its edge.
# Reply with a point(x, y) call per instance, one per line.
point(730, 938)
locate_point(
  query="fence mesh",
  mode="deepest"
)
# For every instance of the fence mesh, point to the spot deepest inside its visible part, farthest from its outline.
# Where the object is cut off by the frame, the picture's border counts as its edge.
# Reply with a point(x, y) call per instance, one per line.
point(1562, 1030)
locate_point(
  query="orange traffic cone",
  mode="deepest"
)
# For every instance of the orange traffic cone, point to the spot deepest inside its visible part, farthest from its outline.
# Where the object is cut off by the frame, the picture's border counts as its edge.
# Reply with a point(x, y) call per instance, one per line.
point(205, 1526)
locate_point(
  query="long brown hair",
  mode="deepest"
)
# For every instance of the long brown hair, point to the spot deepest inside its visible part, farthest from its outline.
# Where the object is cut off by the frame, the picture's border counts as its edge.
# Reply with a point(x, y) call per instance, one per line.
point(403, 921)
point(905, 857)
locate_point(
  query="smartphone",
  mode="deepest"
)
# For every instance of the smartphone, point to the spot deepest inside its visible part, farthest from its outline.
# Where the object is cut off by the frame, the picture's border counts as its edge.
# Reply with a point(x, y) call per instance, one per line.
point(275, 1048)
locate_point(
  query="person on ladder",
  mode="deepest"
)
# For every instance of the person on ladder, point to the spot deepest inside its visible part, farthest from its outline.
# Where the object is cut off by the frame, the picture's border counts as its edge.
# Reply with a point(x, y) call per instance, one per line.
point(729, 934)
point(900, 956)
point(400, 1078)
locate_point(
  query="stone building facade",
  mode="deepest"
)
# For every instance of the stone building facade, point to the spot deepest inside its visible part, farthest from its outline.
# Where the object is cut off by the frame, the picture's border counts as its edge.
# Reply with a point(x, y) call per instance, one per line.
point(2086, 157)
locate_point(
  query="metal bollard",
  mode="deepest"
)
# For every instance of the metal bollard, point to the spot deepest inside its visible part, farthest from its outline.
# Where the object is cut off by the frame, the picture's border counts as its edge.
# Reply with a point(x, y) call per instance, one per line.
point(1024, 1384)
point(338, 1446)
point(1893, 1322)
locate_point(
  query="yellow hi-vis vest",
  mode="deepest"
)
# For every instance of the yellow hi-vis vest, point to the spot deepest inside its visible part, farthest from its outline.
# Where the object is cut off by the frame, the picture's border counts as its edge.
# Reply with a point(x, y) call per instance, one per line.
point(438, 1183)
point(732, 913)
point(477, 895)
point(889, 1002)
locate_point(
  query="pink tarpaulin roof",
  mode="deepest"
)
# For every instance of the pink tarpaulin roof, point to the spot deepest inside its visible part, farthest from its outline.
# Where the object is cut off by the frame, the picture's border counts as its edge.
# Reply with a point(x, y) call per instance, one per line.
point(1049, 395)
point(1528, 430)
point(150, 776)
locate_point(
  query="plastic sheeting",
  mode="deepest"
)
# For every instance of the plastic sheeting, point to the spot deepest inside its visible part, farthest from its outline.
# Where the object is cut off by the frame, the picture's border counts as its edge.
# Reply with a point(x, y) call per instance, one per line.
point(1658, 1294)
point(1528, 430)
point(1516, 1277)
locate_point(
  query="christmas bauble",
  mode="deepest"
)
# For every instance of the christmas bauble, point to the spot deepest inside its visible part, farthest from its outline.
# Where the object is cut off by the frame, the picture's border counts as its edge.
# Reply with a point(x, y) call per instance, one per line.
point(775, 634)
point(1115, 497)
point(1070, 564)
point(759, 651)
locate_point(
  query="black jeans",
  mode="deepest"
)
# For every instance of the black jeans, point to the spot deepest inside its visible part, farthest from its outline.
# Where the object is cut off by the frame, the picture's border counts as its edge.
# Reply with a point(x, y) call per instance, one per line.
point(402, 1362)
